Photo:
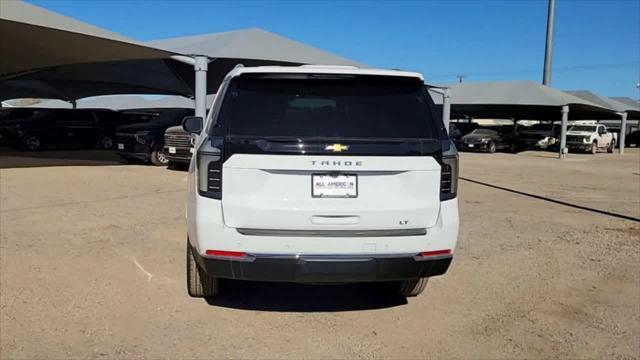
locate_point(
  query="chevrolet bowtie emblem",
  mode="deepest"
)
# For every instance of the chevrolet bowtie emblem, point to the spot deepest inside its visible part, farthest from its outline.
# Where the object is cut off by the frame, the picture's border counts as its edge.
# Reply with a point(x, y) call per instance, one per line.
point(337, 147)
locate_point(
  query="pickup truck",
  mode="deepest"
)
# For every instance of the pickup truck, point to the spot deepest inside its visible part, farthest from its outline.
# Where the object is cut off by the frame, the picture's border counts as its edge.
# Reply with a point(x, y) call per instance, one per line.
point(145, 140)
point(177, 145)
point(591, 138)
point(538, 136)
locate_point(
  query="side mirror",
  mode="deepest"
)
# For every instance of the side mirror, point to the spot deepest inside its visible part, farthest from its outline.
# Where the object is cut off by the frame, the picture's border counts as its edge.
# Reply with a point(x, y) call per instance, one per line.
point(192, 124)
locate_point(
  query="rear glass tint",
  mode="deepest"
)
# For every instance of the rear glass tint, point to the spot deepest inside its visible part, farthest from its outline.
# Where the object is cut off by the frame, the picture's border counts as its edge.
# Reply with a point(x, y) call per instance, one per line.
point(327, 107)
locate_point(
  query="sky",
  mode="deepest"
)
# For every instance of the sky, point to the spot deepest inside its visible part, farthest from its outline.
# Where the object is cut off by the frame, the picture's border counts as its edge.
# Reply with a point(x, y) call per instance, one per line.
point(596, 44)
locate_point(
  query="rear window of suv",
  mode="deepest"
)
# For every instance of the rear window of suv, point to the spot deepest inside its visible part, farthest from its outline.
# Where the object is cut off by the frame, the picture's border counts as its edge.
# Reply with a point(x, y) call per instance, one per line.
point(328, 107)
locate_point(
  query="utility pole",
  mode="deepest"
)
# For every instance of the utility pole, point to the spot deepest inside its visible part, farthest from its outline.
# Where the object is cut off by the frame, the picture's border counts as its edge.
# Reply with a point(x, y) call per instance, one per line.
point(546, 77)
point(460, 78)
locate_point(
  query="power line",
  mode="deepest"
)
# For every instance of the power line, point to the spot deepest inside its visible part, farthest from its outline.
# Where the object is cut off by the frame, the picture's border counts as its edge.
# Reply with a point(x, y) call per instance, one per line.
point(532, 71)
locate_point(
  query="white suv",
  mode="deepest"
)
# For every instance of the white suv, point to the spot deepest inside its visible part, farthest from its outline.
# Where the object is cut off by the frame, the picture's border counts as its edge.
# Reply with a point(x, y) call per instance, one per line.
point(321, 174)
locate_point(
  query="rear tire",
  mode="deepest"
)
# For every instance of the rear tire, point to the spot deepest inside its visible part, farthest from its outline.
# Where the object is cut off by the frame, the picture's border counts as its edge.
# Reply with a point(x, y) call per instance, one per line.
point(104, 142)
point(513, 148)
point(158, 158)
point(413, 287)
point(594, 148)
point(199, 283)
point(611, 147)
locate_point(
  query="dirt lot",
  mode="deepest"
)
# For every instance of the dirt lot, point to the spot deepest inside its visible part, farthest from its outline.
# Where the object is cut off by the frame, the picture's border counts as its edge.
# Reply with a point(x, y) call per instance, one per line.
point(92, 265)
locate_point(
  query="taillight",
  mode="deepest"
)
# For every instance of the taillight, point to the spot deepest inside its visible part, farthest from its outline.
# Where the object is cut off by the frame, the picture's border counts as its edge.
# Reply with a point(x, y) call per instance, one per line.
point(209, 161)
point(449, 174)
point(435, 253)
point(225, 253)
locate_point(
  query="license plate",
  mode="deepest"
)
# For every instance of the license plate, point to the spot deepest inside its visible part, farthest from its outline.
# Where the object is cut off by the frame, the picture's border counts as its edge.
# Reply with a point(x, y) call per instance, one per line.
point(120, 146)
point(334, 186)
point(471, 145)
point(172, 150)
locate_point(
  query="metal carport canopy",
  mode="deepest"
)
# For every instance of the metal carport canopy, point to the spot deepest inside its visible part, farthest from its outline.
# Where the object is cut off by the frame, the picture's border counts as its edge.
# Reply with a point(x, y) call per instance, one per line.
point(624, 110)
point(37, 38)
point(249, 47)
point(252, 44)
point(54, 56)
point(519, 99)
point(78, 60)
point(629, 101)
point(523, 99)
point(633, 111)
point(122, 102)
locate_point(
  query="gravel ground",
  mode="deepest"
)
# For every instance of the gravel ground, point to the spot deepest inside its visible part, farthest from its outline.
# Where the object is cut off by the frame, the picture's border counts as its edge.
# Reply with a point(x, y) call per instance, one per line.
point(92, 265)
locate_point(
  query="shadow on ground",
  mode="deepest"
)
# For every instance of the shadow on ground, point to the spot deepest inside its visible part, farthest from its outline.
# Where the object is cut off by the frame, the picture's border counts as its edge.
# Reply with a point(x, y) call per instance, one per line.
point(286, 297)
point(555, 201)
point(10, 158)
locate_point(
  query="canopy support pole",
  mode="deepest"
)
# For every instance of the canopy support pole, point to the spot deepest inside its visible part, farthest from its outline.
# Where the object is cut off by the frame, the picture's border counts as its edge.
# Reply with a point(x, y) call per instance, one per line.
point(623, 133)
point(200, 67)
point(563, 133)
point(446, 105)
point(446, 108)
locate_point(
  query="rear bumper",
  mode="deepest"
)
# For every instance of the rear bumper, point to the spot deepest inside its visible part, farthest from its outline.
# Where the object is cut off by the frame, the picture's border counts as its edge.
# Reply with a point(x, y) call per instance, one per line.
point(579, 146)
point(473, 147)
point(324, 269)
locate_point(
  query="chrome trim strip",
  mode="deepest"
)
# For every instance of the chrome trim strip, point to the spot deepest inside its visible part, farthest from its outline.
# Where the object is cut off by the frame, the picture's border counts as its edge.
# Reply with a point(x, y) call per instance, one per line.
point(332, 257)
point(251, 257)
point(333, 233)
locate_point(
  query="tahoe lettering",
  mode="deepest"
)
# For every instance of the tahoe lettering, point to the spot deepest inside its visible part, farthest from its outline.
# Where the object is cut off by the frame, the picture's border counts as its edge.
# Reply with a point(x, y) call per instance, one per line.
point(336, 163)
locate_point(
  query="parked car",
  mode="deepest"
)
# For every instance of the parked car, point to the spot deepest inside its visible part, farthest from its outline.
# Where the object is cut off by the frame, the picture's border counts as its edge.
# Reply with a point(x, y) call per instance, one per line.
point(177, 145)
point(538, 136)
point(324, 175)
point(145, 141)
point(36, 129)
point(590, 138)
point(633, 138)
point(486, 139)
point(465, 127)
